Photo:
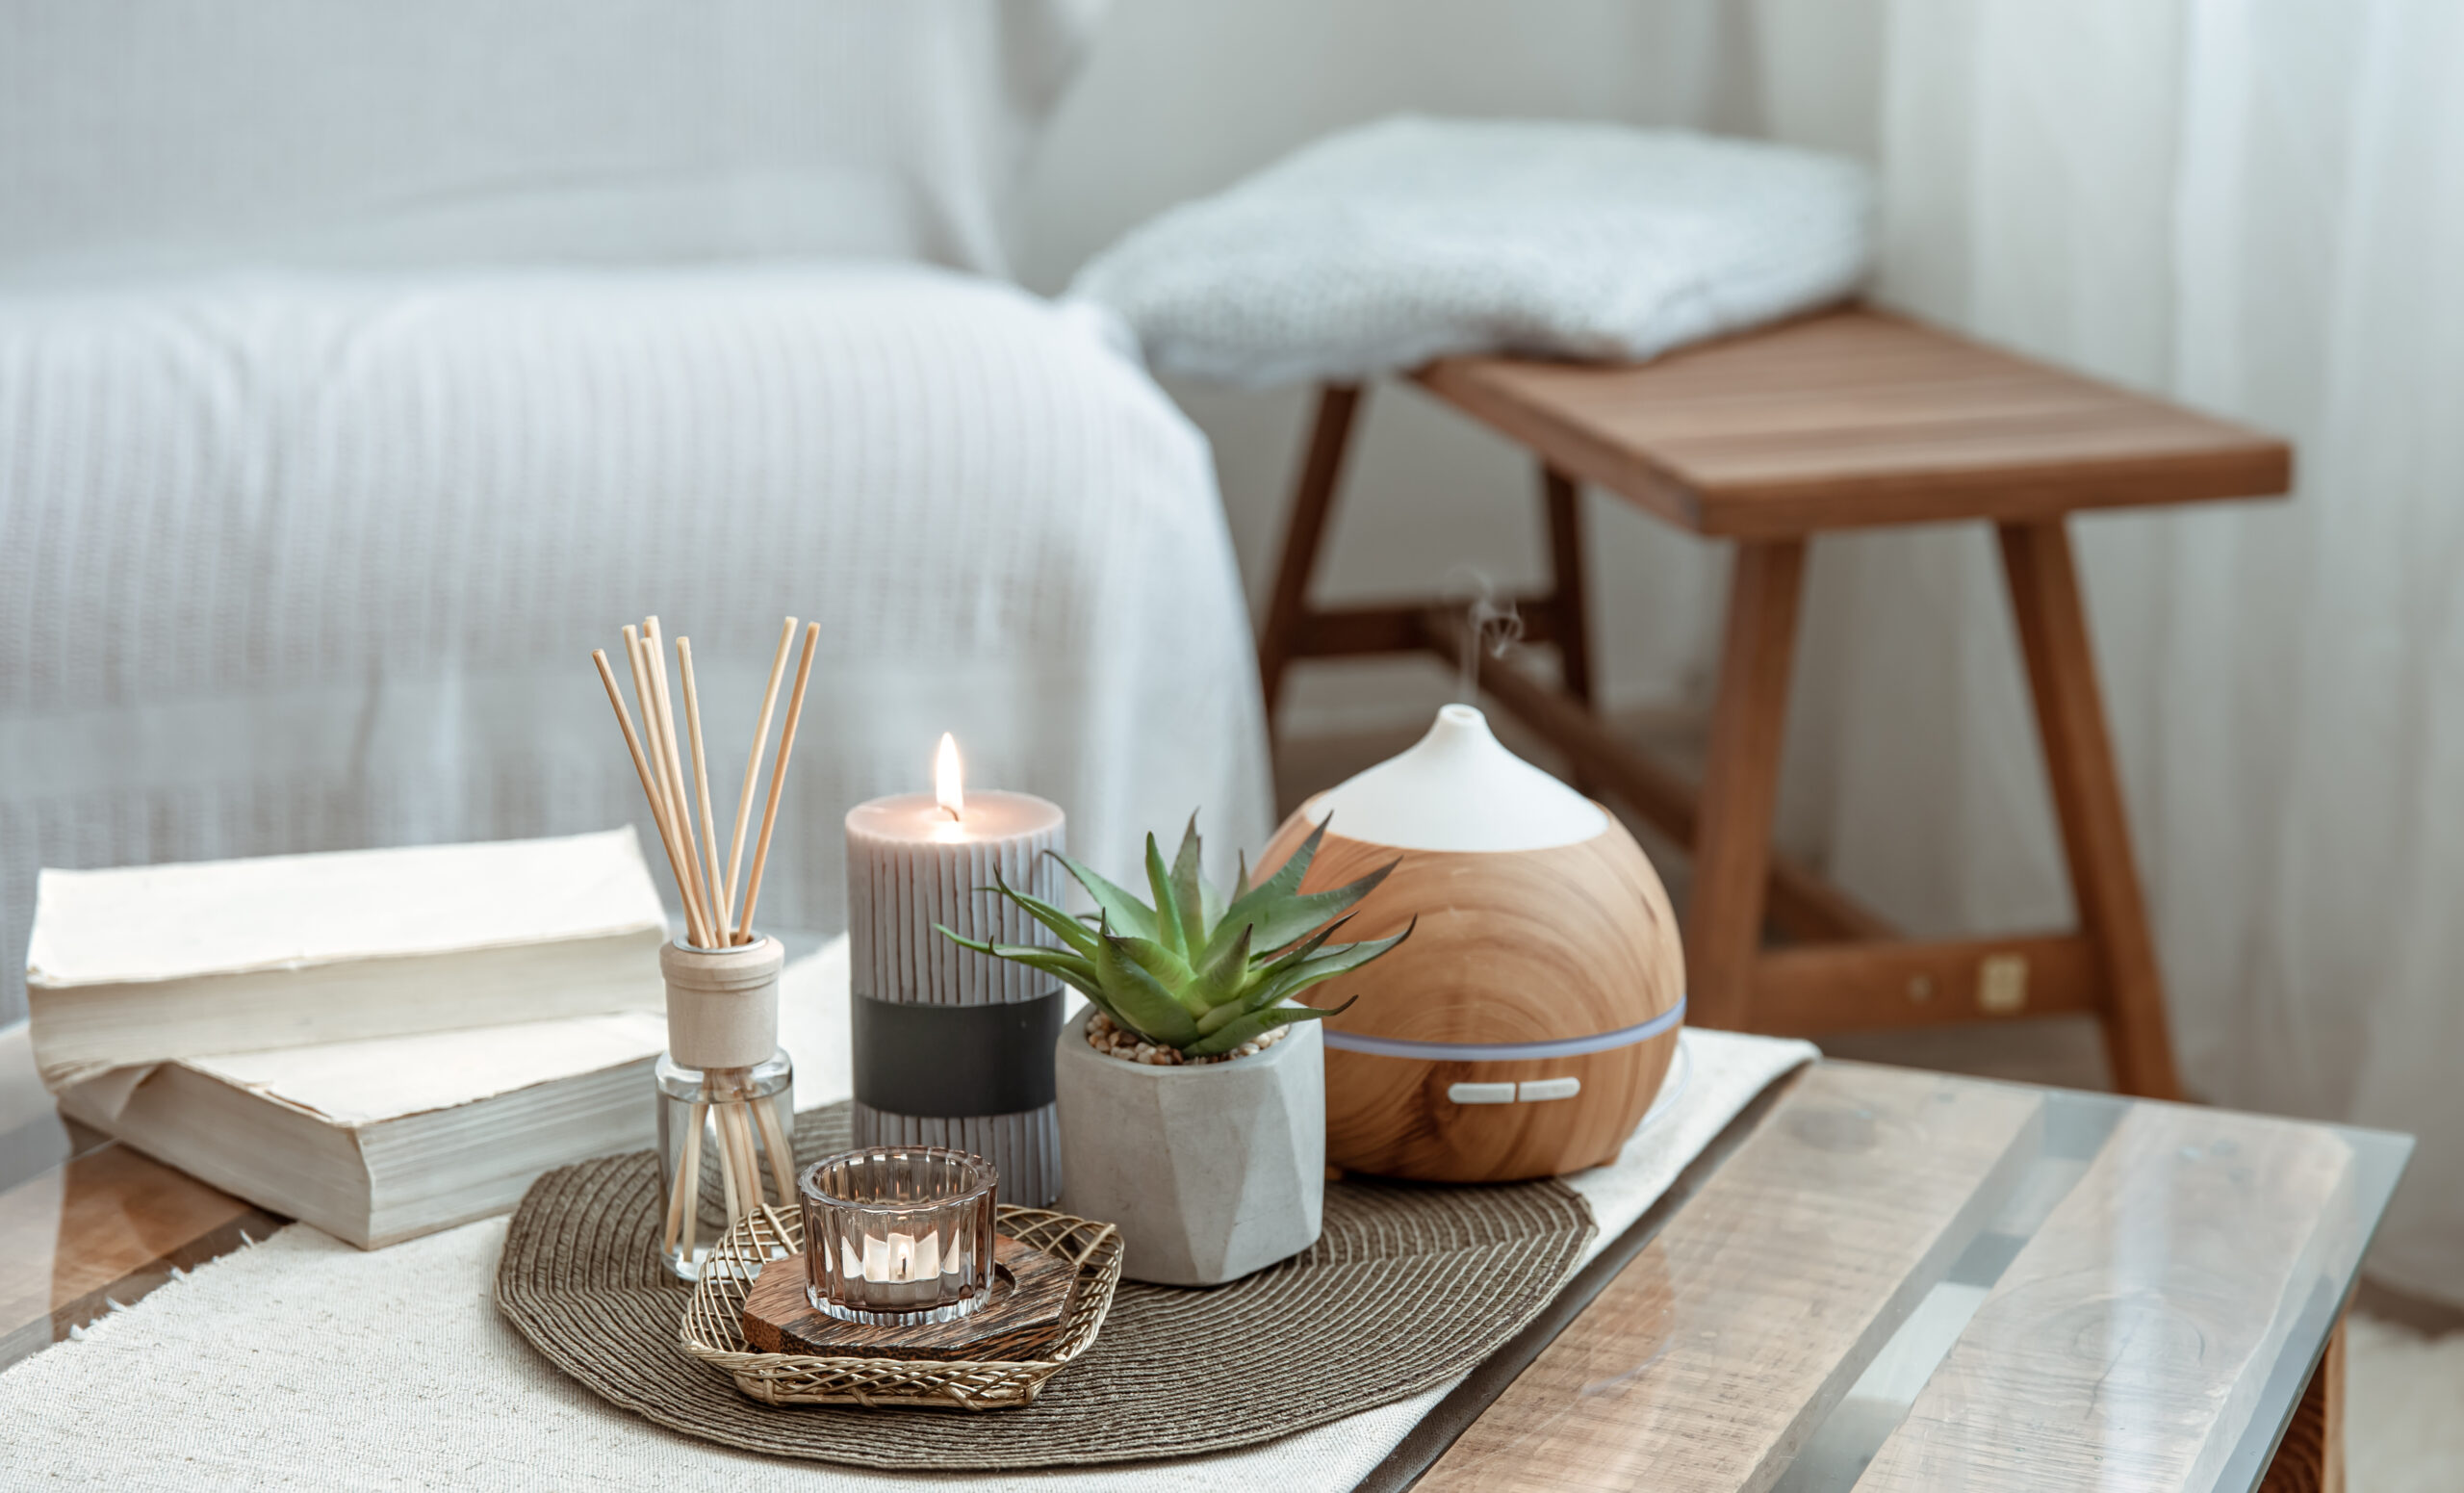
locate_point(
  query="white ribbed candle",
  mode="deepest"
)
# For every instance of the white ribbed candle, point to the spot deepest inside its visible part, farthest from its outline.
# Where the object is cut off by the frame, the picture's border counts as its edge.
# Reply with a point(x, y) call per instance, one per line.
point(909, 866)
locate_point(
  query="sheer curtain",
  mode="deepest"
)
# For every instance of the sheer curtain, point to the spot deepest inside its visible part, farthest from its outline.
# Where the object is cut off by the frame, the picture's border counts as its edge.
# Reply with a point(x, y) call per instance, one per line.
point(2258, 209)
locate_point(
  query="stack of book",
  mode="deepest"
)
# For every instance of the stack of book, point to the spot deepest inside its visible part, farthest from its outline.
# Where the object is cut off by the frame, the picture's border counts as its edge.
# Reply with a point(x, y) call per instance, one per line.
point(378, 1042)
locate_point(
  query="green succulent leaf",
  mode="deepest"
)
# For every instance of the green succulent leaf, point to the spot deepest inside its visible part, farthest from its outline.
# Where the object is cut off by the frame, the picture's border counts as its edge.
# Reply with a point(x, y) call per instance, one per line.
point(1223, 980)
point(1279, 912)
point(964, 941)
point(1021, 953)
point(1293, 953)
point(1168, 914)
point(1075, 968)
point(1291, 957)
point(1192, 972)
point(1123, 910)
point(1075, 971)
point(1284, 884)
point(1342, 959)
point(1211, 904)
point(1170, 972)
point(1150, 1009)
point(1072, 934)
point(1258, 1023)
point(1189, 892)
point(1291, 920)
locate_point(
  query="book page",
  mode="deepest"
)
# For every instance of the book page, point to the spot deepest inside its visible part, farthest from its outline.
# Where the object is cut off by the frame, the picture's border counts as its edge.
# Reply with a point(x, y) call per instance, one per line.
point(169, 922)
point(357, 1083)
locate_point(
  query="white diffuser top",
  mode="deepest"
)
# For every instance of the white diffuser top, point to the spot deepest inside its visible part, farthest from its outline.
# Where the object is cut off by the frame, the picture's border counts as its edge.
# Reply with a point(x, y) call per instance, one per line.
point(1458, 789)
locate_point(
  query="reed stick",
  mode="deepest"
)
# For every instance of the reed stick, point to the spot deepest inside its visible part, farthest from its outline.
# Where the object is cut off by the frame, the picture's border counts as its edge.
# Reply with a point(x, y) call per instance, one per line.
point(679, 804)
point(753, 777)
point(783, 1156)
point(778, 776)
point(684, 1206)
point(657, 789)
point(696, 920)
point(642, 697)
point(727, 1161)
point(708, 891)
point(753, 1146)
point(741, 1142)
point(702, 786)
point(634, 745)
point(678, 793)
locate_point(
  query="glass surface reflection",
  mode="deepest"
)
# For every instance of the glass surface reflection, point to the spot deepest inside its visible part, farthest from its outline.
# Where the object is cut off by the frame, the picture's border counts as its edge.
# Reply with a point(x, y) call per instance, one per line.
point(2164, 1325)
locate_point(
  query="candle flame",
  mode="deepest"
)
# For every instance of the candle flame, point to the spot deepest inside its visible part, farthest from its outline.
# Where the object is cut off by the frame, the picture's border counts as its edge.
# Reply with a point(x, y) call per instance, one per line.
point(946, 785)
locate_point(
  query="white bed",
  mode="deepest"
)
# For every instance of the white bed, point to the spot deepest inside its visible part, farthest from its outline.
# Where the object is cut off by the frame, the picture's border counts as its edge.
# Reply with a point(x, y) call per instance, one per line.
point(308, 548)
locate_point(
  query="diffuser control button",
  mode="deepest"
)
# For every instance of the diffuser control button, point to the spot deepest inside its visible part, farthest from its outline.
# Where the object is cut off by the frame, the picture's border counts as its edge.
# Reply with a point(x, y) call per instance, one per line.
point(1551, 1089)
point(1481, 1094)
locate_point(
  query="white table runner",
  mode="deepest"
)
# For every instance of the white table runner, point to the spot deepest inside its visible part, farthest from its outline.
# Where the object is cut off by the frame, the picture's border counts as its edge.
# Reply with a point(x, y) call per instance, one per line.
point(303, 1362)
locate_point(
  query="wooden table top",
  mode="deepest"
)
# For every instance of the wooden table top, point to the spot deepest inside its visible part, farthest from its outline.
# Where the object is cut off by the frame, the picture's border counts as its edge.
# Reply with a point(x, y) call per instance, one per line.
point(1854, 418)
point(1876, 1278)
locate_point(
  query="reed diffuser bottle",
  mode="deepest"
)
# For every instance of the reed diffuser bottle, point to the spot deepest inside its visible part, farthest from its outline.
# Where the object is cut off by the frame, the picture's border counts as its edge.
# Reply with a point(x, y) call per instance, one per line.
point(726, 1097)
point(724, 1089)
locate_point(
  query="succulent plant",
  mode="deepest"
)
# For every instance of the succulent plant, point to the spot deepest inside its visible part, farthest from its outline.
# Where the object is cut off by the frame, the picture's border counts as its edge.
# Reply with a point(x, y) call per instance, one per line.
point(1196, 971)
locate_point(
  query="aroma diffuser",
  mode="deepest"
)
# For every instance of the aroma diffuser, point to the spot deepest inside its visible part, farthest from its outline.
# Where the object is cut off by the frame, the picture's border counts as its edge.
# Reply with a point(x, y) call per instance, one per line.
point(1524, 1029)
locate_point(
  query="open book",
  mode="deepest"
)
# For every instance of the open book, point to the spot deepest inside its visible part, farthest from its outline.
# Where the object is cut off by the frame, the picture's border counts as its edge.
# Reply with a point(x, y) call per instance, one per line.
point(384, 1139)
point(391, 1137)
point(150, 962)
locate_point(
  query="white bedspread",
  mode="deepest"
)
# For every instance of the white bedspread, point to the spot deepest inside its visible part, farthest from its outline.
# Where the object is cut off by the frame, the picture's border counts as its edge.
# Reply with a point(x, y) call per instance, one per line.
point(304, 564)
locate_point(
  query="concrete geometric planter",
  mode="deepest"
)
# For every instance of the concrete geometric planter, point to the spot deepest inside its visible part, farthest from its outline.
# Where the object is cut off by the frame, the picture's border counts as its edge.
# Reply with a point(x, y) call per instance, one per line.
point(1211, 1172)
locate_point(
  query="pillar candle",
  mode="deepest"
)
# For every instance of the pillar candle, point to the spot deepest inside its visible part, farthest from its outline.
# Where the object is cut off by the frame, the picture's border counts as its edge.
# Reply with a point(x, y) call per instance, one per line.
point(918, 860)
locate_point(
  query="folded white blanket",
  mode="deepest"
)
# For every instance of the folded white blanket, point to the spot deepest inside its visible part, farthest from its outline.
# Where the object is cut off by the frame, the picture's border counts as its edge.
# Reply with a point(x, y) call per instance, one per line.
point(316, 562)
point(1379, 249)
point(305, 1363)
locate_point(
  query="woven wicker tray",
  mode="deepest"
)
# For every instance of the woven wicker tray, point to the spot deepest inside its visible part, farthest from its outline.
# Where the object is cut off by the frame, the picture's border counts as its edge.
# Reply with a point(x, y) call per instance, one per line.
point(713, 1327)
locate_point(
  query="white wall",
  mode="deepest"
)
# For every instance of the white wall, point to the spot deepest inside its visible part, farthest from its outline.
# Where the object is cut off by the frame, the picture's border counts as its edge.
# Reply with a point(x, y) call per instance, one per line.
point(1181, 97)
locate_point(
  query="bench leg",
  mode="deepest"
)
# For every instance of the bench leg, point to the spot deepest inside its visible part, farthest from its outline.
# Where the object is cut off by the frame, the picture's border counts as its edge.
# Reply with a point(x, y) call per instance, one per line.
point(1572, 623)
point(1741, 783)
point(2043, 577)
point(1312, 499)
point(1570, 609)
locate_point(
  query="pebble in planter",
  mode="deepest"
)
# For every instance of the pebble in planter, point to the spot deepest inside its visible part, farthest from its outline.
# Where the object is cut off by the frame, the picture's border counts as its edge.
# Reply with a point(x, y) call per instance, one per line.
point(1194, 1116)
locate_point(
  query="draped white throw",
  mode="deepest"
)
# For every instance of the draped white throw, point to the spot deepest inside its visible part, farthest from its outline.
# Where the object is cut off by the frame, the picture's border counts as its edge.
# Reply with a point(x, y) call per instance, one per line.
point(363, 366)
point(303, 562)
point(2258, 209)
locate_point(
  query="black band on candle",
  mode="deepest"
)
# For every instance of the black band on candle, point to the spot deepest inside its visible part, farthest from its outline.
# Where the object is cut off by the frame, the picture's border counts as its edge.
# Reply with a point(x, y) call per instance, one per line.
point(951, 1062)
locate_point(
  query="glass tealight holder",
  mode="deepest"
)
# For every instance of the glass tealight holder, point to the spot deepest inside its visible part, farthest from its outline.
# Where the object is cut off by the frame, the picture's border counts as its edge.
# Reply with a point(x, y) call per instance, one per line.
point(898, 1235)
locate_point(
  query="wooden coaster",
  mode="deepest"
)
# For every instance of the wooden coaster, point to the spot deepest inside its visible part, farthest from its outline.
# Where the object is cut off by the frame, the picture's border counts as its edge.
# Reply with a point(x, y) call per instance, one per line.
point(1032, 1294)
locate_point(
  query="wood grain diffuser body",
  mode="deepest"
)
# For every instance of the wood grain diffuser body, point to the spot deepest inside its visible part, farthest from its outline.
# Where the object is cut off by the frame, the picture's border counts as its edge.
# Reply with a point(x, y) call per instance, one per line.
point(1525, 1026)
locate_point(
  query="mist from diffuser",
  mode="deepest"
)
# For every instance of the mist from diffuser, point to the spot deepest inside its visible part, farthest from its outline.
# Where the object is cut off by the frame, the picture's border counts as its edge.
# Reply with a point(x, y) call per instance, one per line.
point(1526, 1027)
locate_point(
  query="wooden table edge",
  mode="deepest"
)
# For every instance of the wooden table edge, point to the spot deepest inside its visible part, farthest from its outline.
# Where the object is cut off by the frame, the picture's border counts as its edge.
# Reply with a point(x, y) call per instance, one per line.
point(1450, 1417)
point(1435, 1434)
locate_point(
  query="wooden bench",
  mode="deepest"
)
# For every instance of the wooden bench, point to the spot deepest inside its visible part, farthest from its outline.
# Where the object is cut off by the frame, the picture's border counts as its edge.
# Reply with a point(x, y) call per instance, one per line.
point(1853, 419)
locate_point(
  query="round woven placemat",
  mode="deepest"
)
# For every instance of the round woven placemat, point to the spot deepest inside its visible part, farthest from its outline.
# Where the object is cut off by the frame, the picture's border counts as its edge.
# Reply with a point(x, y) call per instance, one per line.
point(1409, 1287)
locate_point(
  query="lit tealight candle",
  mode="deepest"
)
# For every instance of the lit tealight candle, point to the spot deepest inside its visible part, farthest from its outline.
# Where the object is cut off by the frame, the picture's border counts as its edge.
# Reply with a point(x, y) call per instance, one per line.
point(933, 1066)
point(896, 1259)
point(898, 1234)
